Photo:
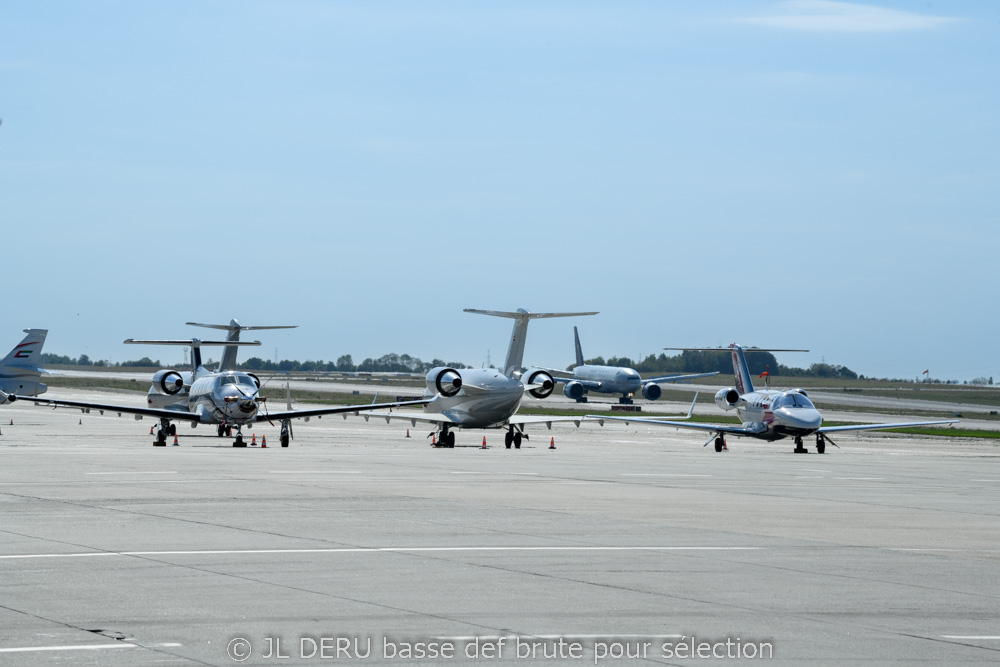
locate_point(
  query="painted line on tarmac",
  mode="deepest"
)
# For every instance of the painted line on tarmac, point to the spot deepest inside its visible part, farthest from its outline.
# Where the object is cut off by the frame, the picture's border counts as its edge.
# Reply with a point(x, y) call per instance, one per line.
point(84, 647)
point(347, 550)
point(316, 472)
point(990, 637)
point(136, 472)
point(469, 638)
point(658, 474)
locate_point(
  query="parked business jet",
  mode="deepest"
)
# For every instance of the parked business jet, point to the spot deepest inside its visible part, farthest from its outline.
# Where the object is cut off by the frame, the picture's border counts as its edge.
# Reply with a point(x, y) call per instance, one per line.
point(227, 399)
point(479, 398)
point(585, 378)
point(19, 370)
point(768, 414)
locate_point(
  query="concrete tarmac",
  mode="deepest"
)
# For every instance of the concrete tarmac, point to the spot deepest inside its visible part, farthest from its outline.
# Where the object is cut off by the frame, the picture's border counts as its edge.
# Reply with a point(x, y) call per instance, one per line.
point(622, 541)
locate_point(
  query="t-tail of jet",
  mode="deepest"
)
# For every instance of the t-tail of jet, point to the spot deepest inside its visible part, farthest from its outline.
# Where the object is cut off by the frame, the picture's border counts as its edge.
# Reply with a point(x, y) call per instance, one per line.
point(579, 350)
point(19, 370)
point(741, 371)
point(233, 330)
point(515, 352)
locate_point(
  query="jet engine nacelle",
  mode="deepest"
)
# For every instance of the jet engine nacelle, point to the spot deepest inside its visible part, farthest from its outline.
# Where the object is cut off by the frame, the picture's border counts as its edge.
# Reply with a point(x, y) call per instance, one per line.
point(574, 390)
point(444, 381)
point(651, 391)
point(727, 398)
point(168, 382)
point(542, 378)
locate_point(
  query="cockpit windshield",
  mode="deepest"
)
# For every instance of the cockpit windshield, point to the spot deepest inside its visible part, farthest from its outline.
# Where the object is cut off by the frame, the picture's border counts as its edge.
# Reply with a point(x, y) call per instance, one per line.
point(792, 400)
point(237, 379)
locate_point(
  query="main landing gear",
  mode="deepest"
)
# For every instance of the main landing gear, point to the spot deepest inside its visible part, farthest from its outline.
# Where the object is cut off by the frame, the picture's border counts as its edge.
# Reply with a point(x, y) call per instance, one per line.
point(821, 443)
point(447, 438)
point(286, 432)
point(166, 430)
point(224, 430)
point(512, 437)
point(720, 444)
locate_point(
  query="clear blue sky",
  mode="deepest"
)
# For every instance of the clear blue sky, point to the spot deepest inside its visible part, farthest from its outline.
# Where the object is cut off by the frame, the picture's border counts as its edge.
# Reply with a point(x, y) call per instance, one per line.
point(796, 174)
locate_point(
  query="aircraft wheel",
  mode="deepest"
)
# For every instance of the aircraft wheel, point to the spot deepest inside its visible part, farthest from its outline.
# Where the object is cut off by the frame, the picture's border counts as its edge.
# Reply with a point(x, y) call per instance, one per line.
point(508, 439)
point(229, 431)
point(239, 442)
point(161, 440)
point(172, 430)
point(517, 441)
point(718, 444)
point(451, 439)
point(283, 440)
point(220, 430)
point(820, 447)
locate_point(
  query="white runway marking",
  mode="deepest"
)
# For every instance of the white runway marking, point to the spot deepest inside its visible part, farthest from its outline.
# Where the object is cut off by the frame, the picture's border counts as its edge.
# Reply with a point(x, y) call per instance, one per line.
point(310, 472)
point(493, 638)
point(992, 637)
point(83, 647)
point(136, 472)
point(347, 550)
point(856, 479)
point(658, 474)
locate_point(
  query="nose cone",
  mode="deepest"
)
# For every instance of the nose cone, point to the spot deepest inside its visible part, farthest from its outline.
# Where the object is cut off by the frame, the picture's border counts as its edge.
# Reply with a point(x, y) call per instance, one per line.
point(800, 419)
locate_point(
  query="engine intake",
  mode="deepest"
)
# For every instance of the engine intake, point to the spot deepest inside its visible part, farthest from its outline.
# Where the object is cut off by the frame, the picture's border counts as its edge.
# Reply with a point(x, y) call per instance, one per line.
point(727, 398)
point(542, 378)
point(444, 381)
point(168, 382)
point(651, 391)
point(574, 390)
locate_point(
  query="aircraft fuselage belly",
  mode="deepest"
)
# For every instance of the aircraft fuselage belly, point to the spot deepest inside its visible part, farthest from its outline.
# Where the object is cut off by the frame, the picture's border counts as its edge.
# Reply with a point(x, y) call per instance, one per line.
point(487, 399)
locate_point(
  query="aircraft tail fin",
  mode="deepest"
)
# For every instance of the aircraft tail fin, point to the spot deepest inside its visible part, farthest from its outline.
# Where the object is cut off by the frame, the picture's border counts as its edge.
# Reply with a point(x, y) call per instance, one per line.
point(27, 353)
point(579, 350)
point(744, 383)
point(515, 351)
point(741, 371)
point(233, 330)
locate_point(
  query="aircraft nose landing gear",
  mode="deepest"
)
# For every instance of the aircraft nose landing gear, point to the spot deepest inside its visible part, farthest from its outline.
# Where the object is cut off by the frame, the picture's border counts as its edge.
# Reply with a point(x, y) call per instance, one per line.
point(239, 438)
point(799, 449)
point(166, 429)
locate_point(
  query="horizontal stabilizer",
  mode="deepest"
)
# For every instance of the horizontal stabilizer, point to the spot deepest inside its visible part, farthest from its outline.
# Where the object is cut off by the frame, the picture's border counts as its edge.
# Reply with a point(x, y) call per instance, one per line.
point(524, 314)
point(191, 342)
point(227, 327)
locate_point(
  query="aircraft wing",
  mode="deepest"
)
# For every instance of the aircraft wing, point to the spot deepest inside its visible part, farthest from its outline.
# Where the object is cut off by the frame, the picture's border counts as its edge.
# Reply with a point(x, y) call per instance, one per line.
point(413, 417)
point(106, 407)
point(870, 427)
point(675, 378)
point(357, 409)
point(525, 420)
point(715, 428)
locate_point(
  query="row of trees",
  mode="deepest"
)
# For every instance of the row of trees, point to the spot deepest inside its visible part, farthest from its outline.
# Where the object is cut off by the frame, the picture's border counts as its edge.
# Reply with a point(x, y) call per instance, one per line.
point(46, 359)
point(699, 361)
point(389, 363)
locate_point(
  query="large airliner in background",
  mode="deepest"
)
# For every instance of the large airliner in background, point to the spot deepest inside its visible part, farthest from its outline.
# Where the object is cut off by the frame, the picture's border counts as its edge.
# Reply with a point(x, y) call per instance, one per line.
point(19, 370)
point(480, 398)
point(768, 414)
point(585, 378)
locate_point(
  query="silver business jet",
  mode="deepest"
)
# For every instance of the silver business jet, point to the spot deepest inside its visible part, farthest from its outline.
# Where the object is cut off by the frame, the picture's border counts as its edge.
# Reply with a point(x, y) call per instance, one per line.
point(768, 414)
point(622, 380)
point(479, 398)
point(228, 399)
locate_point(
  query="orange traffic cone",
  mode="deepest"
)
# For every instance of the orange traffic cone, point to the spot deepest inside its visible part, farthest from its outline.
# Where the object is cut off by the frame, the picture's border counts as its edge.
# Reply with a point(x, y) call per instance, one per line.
point(407, 433)
point(253, 441)
point(175, 441)
point(433, 440)
point(151, 430)
point(484, 442)
point(724, 448)
point(552, 445)
point(263, 442)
